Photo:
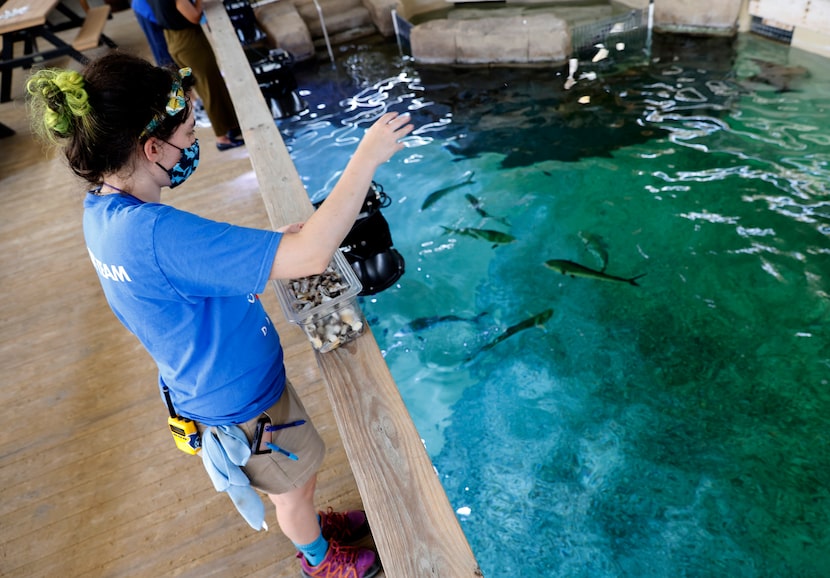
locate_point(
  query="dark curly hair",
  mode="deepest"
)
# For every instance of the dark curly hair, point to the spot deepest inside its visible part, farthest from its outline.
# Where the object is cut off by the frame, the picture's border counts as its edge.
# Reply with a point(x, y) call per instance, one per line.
point(98, 115)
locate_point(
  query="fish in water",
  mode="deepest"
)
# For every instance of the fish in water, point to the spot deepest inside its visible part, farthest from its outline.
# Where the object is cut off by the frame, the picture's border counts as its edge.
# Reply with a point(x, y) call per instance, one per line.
point(476, 204)
point(491, 235)
point(436, 195)
point(576, 270)
point(537, 320)
point(421, 323)
point(781, 76)
point(597, 247)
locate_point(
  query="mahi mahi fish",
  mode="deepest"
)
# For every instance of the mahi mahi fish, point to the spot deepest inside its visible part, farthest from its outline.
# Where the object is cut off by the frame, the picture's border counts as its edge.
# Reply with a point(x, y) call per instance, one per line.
point(537, 320)
point(576, 270)
point(476, 204)
point(421, 323)
point(596, 246)
point(436, 195)
point(490, 235)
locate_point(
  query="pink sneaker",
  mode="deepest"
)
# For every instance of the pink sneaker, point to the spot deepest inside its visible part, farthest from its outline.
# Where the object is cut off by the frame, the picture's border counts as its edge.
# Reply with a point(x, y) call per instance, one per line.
point(342, 562)
point(344, 527)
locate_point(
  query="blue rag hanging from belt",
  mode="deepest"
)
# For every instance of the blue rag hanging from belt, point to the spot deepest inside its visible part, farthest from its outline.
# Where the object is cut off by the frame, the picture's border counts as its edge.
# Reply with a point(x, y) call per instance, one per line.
point(225, 450)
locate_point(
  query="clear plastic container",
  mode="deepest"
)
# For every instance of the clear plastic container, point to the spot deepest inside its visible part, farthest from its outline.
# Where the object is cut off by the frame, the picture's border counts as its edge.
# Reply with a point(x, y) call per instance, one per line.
point(325, 306)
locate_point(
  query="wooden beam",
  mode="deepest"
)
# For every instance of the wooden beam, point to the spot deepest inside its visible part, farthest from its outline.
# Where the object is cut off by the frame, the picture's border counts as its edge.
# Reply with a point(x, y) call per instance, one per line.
point(415, 529)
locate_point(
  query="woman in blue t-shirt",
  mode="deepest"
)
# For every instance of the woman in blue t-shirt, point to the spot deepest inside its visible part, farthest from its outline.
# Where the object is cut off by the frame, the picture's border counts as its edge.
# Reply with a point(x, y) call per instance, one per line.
point(187, 286)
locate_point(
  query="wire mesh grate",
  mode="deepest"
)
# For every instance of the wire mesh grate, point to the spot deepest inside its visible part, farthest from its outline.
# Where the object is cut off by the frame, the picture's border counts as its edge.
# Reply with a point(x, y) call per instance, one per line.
point(627, 28)
point(771, 30)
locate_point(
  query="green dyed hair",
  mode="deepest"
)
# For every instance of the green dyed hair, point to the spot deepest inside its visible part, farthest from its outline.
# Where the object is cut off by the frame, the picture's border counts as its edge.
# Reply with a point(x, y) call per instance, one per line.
point(59, 104)
point(97, 116)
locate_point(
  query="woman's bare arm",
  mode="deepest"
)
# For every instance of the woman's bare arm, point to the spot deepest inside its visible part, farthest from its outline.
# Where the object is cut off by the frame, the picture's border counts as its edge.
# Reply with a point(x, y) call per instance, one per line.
point(307, 250)
point(191, 11)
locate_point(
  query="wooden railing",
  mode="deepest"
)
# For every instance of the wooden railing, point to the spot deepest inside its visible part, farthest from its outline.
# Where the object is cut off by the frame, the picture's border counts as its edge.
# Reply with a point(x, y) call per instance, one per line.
point(414, 527)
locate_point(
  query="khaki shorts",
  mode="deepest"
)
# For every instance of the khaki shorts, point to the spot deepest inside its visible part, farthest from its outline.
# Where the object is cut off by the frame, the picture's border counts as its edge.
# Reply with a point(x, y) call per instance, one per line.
point(274, 472)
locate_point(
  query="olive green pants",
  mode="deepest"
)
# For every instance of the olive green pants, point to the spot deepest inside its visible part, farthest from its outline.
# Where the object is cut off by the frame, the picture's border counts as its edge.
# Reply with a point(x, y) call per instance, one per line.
point(190, 47)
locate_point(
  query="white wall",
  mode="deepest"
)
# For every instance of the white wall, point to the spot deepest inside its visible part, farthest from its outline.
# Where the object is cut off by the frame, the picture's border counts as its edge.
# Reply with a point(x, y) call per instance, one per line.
point(810, 20)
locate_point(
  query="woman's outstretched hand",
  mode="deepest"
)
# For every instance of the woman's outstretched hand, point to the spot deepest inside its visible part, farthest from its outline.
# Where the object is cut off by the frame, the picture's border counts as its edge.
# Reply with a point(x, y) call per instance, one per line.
point(307, 249)
point(382, 140)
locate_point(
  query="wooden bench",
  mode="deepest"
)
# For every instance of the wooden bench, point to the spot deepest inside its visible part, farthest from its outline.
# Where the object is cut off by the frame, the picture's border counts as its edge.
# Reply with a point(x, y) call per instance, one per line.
point(26, 21)
point(413, 524)
point(89, 35)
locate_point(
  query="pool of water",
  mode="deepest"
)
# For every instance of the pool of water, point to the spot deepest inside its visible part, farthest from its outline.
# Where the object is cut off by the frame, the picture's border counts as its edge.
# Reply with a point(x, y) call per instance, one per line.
point(585, 426)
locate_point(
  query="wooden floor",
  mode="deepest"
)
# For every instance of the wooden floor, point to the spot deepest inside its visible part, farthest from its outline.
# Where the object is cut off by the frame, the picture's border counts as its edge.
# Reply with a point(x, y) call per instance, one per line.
point(90, 481)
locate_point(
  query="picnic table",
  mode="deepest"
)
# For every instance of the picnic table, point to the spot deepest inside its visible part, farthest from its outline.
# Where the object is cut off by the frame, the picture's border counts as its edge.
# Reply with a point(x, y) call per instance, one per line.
point(27, 21)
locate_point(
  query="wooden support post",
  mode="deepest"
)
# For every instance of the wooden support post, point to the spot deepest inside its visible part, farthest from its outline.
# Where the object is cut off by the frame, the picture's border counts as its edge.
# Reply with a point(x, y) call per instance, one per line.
point(89, 36)
point(415, 529)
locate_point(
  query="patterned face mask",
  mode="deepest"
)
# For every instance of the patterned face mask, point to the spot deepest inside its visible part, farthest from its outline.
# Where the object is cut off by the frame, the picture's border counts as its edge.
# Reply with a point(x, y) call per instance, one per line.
point(188, 161)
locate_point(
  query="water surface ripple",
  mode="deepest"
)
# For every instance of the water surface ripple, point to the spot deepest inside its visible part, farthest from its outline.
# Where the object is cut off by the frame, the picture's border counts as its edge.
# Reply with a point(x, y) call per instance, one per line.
point(587, 427)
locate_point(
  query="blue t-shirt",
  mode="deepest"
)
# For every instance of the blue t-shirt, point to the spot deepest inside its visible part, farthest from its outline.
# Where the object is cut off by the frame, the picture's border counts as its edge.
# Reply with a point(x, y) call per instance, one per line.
point(187, 288)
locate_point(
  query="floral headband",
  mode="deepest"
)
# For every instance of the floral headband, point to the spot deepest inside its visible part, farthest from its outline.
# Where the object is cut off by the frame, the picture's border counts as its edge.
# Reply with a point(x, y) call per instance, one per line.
point(176, 101)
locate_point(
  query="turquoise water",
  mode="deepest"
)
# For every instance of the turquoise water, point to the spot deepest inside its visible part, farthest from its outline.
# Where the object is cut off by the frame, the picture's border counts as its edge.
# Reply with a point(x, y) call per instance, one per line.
point(674, 428)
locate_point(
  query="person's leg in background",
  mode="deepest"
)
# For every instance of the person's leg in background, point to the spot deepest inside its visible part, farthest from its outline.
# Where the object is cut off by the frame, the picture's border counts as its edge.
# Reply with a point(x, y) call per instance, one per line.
point(153, 32)
point(190, 47)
